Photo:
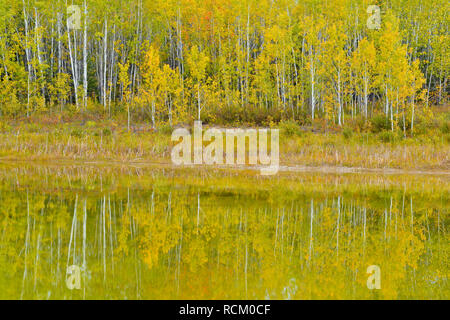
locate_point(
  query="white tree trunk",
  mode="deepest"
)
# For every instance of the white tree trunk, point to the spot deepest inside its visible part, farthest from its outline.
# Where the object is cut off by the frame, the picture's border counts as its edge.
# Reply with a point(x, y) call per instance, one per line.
point(85, 80)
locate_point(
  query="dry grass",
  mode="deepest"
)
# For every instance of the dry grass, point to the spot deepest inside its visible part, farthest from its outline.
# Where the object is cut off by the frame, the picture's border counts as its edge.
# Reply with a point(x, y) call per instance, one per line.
point(106, 142)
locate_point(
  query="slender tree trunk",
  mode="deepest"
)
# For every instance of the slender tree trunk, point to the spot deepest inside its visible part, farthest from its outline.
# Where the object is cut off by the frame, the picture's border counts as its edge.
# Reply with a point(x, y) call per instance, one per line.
point(105, 59)
point(312, 72)
point(28, 56)
point(73, 61)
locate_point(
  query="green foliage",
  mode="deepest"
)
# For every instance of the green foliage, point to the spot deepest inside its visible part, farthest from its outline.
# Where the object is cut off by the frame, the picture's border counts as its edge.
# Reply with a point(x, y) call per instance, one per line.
point(290, 128)
point(445, 127)
point(106, 132)
point(347, 133)
point(77, 132)
point(166, 129)
point(387, 136)
point(91, 124)
point(33, 128)
point(4, 127)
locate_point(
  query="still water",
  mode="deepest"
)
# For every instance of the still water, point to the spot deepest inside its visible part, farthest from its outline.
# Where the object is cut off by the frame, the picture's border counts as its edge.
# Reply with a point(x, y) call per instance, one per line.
point(80, 232)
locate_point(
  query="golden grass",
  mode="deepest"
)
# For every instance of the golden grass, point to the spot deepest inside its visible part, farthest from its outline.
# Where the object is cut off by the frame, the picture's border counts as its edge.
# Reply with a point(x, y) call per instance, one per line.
point(307, 149)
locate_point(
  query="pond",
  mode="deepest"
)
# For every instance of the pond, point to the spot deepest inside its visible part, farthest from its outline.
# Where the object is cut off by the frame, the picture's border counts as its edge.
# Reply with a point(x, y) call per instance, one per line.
point(153, 232)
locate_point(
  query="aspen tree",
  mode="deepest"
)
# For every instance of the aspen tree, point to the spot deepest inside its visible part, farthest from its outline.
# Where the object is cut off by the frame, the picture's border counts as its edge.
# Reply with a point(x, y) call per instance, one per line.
point(197, 62)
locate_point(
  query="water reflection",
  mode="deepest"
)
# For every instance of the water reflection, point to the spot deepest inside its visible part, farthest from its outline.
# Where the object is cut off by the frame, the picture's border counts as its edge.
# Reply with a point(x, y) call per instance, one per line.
point(183, 242)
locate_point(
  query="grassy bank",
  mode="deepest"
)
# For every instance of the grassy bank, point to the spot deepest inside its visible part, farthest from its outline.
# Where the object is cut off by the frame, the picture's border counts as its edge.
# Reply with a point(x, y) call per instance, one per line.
point(368, 146)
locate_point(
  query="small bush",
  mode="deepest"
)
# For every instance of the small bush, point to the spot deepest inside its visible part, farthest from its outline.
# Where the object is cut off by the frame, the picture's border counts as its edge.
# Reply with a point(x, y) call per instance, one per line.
point(379, 123)
point(5, 127)
point(290, 128)
point(91, 124)
point(447, 116)
point(251, 115)
point(34, 128)
point(348, 133)
point(106, 132)
point(76, 132)
point(166, 129)
point(304, 118)
point(445, 127)
point(406, 125)
point(387, 136)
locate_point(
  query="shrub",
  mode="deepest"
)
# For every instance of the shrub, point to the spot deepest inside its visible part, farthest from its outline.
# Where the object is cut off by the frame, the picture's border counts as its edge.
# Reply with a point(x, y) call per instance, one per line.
point(387, 136)
point(76, 132)
point(445, 127)
point(166, 129)
point(359, 124)
point(406, 125)
point(34, 128)
point(251, 115)
point(348, 133)
point(380, 123)
point(106, 132)
point(91, 124)
point(304, 118)
point(290, 128)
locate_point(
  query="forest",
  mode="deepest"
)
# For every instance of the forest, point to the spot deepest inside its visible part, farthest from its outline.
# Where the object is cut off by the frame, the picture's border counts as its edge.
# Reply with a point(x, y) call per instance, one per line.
point(225, 61)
